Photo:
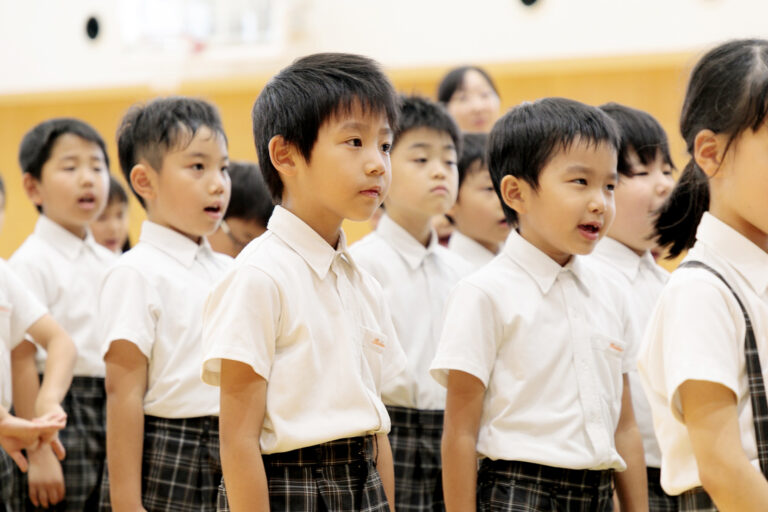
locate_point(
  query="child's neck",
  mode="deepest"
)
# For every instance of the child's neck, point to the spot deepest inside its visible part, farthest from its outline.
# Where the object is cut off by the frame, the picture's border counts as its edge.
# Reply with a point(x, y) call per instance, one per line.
point(491, 247)
point(639, 252)
point(79, 230)
point(560, 257)
point(419, 228)
point(740, 224)
point(162, 222)
point(325, 224)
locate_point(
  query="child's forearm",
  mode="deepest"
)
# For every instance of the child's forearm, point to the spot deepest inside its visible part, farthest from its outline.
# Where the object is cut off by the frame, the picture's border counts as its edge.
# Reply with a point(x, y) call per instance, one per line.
point(25, 381)
point(125, 442)
point(386, 467)
point(58, 371)
point(459, 472)
point(631, 484)
point(244, 474)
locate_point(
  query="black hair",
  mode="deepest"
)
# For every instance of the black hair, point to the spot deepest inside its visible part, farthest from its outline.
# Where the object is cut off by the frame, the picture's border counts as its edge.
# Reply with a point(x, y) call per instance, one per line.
point(297, 101)
point(526, 138)
point(728, 94)
point(474, 149)
point(2, 188)
point(641, 132)
point(147, 132)
point(116, 192)
point(36, 146)
point(250, 199)
point(454, 80)
point(419, 112)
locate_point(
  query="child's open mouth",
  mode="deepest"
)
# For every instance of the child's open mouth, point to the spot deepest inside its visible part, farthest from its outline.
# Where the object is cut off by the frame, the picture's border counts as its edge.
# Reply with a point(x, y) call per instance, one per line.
point(87, 202)
point(590, 230)
point(214, 211)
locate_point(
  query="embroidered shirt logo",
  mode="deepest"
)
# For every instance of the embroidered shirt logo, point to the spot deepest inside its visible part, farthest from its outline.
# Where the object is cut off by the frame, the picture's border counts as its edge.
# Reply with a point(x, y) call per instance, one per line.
point(616, 347)
point(378, 343)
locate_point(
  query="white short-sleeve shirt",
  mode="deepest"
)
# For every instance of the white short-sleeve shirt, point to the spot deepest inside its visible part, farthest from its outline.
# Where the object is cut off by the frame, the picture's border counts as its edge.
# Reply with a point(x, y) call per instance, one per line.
point(315, 326)
point(547, 342)
point(697, 332)
point(153, 297)
point(416, 281)
point(64, 273)
point(470, 250)
point(642, 280)
point(19, 310)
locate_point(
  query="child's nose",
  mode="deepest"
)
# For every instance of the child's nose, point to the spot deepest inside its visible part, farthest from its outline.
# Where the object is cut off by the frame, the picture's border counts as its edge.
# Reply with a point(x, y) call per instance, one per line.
point(376, 163)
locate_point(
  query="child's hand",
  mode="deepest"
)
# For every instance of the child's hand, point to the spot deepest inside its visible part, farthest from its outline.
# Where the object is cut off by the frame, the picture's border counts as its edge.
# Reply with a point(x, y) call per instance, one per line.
point(51, 436)
point(17, 434)
point(46, 480)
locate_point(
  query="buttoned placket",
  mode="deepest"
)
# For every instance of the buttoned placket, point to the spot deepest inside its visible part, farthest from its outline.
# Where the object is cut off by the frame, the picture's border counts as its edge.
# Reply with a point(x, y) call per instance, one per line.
point(583, 359)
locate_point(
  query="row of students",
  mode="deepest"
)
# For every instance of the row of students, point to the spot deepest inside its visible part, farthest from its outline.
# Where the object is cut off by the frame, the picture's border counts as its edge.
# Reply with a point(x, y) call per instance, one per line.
point(546, 402)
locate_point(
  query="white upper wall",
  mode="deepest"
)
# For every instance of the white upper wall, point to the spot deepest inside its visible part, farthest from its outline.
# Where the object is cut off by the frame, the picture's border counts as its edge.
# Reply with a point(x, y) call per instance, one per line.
point(43, 46)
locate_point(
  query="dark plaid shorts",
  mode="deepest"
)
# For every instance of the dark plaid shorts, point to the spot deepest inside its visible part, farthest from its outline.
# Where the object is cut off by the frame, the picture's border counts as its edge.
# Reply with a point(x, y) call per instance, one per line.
point(696, 500)
point(658, 500)
point(415, 439)
point(181, 468)
point(6, 480)
point(337, 476)
point(506, 486)
point(84, 438)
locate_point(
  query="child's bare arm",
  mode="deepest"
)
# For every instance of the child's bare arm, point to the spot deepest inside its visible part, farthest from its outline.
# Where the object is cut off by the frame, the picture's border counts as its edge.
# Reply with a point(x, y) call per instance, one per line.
point(17, 434)
point(126, 384)
point(25, 381)
point(463, 408)
point(631, 484)
point(711, 418)
point(60, 362)
point(386, 467)
point(243, 404)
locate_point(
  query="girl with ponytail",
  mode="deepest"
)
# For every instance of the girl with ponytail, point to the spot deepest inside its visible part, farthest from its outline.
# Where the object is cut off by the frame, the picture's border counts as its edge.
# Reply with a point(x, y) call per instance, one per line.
point(706, 347)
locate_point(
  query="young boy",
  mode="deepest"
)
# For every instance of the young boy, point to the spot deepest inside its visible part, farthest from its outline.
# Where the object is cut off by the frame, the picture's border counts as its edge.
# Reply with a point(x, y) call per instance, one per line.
point(532, 350)
point(65, 175)
point(297, 336)
point(478, 220)
point(248, 213)
point(162, 422)
point(645, 181)
point(416, 273)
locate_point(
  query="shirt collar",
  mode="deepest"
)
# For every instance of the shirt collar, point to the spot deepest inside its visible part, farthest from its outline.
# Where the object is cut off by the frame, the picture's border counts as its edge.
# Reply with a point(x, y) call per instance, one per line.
point(463, 244)
point(173, 243)
point(404, 243)
point(65, 242)
point(747, 258)
point(537, 264)
point(313, 248)
point(620, 256)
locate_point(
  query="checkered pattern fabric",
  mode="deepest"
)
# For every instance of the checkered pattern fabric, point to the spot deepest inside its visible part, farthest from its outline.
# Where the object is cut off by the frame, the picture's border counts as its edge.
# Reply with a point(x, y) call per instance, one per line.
point(85, 441)
point(507, 486)
point(658, 500)
point(415, 440)
point(6, 480)
point(338, 476)
point(181, 468)
point(696, 500)
point(695, 497)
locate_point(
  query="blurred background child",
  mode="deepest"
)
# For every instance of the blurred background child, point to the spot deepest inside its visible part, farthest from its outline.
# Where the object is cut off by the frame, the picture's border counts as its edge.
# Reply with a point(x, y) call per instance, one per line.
point(110, 229)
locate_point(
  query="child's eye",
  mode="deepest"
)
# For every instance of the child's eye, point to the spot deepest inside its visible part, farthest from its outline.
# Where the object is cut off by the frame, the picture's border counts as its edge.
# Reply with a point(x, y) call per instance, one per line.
point(489, 189)
point(420, 160)
point(610, 186)
point(386, 147)
point(639, 174)
point(198, 167)
point(356, 142)
point(580, 181)
point(450, 163)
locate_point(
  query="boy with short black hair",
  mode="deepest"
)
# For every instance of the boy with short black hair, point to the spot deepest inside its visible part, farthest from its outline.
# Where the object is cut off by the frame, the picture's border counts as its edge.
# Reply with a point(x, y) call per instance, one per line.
point(297, 336)
point(645, 181)
point(416, 273)
point(480, 226)
point(533, 348)
point(162, 435)
point(250, 207)
point(65, 174)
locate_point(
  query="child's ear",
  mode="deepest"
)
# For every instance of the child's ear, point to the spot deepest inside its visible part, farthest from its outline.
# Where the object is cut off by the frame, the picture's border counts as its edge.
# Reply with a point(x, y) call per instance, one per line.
point(144, 181)
point(708, 150)
point(284, 155)
point(515, 193)
point(32, 188)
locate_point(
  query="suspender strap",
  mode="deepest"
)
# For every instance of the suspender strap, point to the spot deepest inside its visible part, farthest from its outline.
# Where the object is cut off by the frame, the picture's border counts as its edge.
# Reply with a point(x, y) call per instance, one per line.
point(754, 375)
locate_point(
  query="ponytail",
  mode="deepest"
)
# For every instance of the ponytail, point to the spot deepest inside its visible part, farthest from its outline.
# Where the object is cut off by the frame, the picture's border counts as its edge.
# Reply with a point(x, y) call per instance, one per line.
point(680, 215)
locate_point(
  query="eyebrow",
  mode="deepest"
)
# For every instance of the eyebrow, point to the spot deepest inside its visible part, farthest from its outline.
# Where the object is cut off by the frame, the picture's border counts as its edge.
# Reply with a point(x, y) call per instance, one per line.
point(574, 168)
point(424, 145)
point(356, 125)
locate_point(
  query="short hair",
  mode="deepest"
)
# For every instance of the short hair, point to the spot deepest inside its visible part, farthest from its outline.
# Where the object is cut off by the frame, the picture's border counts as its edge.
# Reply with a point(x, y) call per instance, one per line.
point(35, 149)
point(116, 192)
point(297, 101)
point(250, 199)
point(419, 112)
point(639, 131)
point(526, 138)
point(454, 80)
point(474, 148)
point(149, 131)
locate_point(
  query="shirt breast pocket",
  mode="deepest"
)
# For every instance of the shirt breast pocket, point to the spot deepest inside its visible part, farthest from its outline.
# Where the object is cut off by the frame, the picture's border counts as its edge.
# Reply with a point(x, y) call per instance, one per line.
point(374, 345)
point(609, 357)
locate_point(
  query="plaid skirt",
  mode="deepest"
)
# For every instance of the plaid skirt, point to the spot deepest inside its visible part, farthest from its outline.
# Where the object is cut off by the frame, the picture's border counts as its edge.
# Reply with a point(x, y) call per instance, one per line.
point(181, 468)
point(337, 476)
point(507, 486)
point(6, 481)
point(658, 500)
point(415, 439)
point(84, 438)
point(696, 500)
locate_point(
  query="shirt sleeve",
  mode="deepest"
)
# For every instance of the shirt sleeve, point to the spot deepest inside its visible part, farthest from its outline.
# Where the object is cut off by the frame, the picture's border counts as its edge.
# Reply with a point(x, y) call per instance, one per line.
point(129, 309)
point(24, 308)
point(240, 323)
point(31, 275)
point(470, 336)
